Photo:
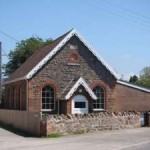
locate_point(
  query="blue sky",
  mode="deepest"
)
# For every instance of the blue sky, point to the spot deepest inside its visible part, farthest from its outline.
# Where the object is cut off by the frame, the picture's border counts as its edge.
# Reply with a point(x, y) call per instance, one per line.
point(118, 29)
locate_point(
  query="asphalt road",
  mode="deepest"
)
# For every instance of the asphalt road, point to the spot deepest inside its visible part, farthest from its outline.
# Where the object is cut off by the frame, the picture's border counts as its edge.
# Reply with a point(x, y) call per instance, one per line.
point(128, 139)
point(140, 146)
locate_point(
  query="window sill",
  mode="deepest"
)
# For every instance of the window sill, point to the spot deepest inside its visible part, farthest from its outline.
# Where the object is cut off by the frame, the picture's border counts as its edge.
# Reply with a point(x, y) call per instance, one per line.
point(73, 64)
point(98, 109)
point(47, 110)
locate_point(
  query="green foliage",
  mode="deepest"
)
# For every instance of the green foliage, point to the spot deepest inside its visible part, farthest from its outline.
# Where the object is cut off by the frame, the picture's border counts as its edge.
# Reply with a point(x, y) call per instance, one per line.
point(21, 53)
point(133, 79)
point(144, 79)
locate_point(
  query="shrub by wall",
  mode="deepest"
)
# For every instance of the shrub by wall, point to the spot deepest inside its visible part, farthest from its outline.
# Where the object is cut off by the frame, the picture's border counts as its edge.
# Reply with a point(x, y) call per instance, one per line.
point(68, 124)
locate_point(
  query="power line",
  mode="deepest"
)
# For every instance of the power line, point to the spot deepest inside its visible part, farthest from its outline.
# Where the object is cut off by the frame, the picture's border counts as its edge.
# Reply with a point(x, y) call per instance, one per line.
point(9, 36)
point(4, 53)
point(128, 10)
point(127, 17)
point(12, 38)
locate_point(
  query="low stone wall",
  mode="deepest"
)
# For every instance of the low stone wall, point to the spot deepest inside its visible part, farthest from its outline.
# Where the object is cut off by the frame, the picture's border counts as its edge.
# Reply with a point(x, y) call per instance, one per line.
point(68, 124)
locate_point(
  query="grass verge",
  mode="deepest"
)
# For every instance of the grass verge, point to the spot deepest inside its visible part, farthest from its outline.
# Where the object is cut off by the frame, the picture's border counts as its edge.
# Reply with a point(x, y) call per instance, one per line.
point(54, 135)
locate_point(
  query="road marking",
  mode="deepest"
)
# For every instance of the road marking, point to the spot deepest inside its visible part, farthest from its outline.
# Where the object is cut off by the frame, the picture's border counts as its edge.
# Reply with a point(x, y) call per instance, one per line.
point(145, 142)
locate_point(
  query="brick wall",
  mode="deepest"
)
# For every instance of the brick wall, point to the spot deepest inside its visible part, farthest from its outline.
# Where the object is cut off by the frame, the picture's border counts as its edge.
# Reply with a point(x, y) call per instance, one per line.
point(132, 99)
point(68, 124)
point(58, 72)
point(15, 95)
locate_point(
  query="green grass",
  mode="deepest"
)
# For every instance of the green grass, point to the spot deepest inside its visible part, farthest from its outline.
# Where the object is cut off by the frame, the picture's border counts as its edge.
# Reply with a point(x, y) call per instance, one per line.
point(54, 135)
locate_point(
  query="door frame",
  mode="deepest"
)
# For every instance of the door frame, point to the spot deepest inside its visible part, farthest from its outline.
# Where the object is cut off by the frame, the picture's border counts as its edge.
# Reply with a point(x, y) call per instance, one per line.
point(79, 98)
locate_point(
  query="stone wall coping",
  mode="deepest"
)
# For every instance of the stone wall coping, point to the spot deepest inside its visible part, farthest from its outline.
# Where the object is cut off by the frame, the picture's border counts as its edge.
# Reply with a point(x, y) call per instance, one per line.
point(90, 115)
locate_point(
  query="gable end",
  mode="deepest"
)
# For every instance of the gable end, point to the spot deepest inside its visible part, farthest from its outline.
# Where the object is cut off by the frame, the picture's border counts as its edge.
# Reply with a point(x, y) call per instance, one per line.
point(52, 52)
point(62, 43)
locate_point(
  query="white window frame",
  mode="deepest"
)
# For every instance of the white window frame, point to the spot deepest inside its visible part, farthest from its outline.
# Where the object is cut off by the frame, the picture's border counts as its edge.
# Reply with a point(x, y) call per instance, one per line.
point(44, 110)
point(99, 109)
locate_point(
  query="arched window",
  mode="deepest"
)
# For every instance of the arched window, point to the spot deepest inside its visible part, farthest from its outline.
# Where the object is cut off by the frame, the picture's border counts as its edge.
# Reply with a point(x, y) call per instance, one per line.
point(100, 102)
point(48, 98)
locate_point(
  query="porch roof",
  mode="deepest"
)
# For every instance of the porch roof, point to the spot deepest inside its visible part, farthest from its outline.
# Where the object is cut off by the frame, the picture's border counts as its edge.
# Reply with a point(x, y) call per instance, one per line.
point(73, 86)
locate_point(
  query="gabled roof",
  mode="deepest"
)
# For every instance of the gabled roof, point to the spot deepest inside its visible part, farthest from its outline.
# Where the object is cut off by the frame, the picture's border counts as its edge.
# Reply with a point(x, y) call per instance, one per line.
point(41, 56)
point(133, 86)
point(30, 65)
point(75, 87)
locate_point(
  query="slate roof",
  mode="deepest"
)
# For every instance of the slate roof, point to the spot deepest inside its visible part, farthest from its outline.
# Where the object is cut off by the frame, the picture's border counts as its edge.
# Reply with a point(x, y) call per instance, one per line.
point(71, 83)
point(79, 82)
point(34, 59)
point(41, 56)
point(125, 83)
point(73, 86)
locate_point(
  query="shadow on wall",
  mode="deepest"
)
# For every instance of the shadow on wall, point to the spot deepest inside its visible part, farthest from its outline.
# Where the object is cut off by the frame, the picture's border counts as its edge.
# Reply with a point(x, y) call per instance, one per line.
point(2, 103)
point(15, 130)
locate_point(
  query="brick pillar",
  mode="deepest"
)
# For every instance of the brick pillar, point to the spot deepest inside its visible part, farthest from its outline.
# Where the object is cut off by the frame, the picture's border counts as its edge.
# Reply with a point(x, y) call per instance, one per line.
point(43, 128)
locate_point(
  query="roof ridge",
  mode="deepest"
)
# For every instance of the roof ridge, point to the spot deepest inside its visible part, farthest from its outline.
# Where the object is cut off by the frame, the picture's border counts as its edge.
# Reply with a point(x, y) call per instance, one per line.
point(43, 55)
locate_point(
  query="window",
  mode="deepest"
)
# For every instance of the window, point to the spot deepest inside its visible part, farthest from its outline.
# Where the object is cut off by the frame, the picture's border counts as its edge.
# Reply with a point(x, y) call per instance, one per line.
point(80, 105)
point(73, 57)
point(100, 102)
point(48, 98)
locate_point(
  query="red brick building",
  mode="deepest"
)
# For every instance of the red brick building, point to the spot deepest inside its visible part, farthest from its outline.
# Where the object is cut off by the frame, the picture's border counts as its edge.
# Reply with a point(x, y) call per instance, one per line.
point(69, 76)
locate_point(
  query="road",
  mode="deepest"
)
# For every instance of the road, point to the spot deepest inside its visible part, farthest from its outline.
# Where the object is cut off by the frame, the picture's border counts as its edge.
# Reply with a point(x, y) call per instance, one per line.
point(127, 139)
point(140, 146)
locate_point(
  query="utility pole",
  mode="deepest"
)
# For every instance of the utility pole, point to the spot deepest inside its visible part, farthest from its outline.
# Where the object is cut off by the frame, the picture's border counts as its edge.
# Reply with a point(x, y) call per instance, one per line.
point(0, 73)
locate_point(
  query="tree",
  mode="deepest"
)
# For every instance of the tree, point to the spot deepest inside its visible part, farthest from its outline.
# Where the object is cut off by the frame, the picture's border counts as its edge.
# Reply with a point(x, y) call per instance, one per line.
point(144, 79)
point(133, 79)
point(23, 50)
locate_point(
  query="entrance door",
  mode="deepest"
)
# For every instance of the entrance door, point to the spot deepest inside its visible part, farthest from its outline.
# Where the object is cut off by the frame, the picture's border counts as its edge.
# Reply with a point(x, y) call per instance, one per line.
point(79, 105)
